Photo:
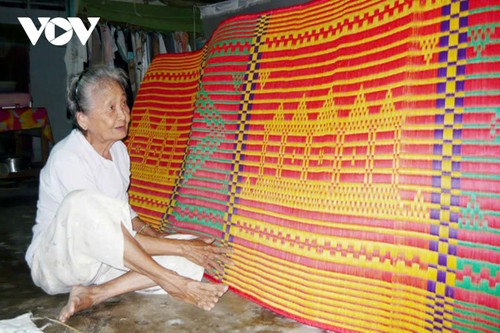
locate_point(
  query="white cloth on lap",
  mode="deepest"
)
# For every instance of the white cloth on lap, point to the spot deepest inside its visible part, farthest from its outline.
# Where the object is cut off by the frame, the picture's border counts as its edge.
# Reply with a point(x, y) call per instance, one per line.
point(84, 245)
point(86, 232)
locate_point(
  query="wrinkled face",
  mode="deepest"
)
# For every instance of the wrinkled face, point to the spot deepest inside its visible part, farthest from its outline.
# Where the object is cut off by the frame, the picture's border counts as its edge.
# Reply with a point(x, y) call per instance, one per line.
point(108, 117)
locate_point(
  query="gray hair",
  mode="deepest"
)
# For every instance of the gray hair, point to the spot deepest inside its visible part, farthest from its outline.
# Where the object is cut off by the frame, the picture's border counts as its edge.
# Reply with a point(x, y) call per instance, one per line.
point(78, 96)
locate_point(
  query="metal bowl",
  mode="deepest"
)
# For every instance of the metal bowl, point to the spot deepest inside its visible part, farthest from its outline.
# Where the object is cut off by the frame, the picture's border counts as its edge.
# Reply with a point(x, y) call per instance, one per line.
point(16, 163)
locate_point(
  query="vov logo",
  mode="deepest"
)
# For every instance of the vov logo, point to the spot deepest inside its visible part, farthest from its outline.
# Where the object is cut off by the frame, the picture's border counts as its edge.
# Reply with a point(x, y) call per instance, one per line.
point(49, 26)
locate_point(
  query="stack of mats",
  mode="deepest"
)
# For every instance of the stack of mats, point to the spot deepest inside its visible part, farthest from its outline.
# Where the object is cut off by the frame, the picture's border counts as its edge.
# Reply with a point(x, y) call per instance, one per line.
point(349, 152)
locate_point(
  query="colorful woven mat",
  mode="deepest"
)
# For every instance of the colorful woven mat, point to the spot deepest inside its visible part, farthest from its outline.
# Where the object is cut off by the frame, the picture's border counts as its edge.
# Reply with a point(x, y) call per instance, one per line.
point(161, 123)
point(349, 151)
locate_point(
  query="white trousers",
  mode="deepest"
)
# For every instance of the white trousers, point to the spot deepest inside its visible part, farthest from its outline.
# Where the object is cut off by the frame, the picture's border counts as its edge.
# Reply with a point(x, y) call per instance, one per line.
point(84, 245)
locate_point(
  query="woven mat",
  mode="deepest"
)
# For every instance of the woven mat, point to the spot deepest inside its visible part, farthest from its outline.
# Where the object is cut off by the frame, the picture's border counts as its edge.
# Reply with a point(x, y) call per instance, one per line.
point(349, 151)
point(158, 137)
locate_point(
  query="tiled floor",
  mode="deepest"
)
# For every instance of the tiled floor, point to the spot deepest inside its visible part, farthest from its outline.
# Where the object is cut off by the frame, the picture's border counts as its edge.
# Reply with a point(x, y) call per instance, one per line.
point(128, 313)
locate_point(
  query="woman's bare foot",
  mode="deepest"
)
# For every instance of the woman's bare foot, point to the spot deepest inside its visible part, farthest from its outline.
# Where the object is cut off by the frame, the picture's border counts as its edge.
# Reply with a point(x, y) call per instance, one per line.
point(202, 294)
point(80, 298)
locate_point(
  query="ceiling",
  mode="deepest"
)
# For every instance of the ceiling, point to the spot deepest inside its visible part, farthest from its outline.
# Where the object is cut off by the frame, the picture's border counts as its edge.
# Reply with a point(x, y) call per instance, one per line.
point(35, 4)
point(61, 4)
point(189, 3)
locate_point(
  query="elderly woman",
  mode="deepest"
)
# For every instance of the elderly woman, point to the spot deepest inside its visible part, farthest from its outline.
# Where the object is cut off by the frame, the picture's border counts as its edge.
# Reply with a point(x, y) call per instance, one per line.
point(87, 240)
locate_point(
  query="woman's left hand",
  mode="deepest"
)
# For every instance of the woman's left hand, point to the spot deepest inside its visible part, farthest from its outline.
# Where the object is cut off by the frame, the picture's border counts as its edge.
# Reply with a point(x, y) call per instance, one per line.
point(204, 252)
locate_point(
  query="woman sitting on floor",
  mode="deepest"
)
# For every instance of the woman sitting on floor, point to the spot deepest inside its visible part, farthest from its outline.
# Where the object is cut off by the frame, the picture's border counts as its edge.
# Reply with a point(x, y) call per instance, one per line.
point(87, 240)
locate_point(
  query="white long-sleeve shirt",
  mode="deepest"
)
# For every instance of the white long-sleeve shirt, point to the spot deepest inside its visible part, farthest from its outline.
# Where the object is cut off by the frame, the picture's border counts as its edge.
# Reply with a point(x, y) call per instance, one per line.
point(74, 164)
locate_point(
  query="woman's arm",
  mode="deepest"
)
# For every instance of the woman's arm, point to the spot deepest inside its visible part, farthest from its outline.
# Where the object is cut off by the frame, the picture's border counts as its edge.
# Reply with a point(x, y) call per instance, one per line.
point(201, 251)
point(143, 228)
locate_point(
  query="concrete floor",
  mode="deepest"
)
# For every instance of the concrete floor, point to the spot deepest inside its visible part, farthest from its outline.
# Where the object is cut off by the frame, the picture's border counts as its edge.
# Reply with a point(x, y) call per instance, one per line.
point(128, 313)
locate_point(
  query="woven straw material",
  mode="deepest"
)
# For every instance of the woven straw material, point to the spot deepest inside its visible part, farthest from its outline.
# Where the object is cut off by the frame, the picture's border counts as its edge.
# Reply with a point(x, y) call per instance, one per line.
point(349, 152)
point(158, 137)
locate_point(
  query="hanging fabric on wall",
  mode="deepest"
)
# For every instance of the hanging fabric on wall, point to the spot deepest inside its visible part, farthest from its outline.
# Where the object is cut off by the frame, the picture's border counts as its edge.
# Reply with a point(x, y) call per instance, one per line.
point(129, 48)
point(107, 45)
point(75, 56)
point(94, 46)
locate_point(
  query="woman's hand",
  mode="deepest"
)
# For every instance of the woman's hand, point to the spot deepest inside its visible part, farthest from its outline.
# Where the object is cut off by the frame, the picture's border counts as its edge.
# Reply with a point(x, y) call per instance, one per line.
point(204, 252)
point(200, 250)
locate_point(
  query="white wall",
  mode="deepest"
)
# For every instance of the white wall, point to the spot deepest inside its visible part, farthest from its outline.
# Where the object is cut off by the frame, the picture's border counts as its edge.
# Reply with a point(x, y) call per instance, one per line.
point(47, 71)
